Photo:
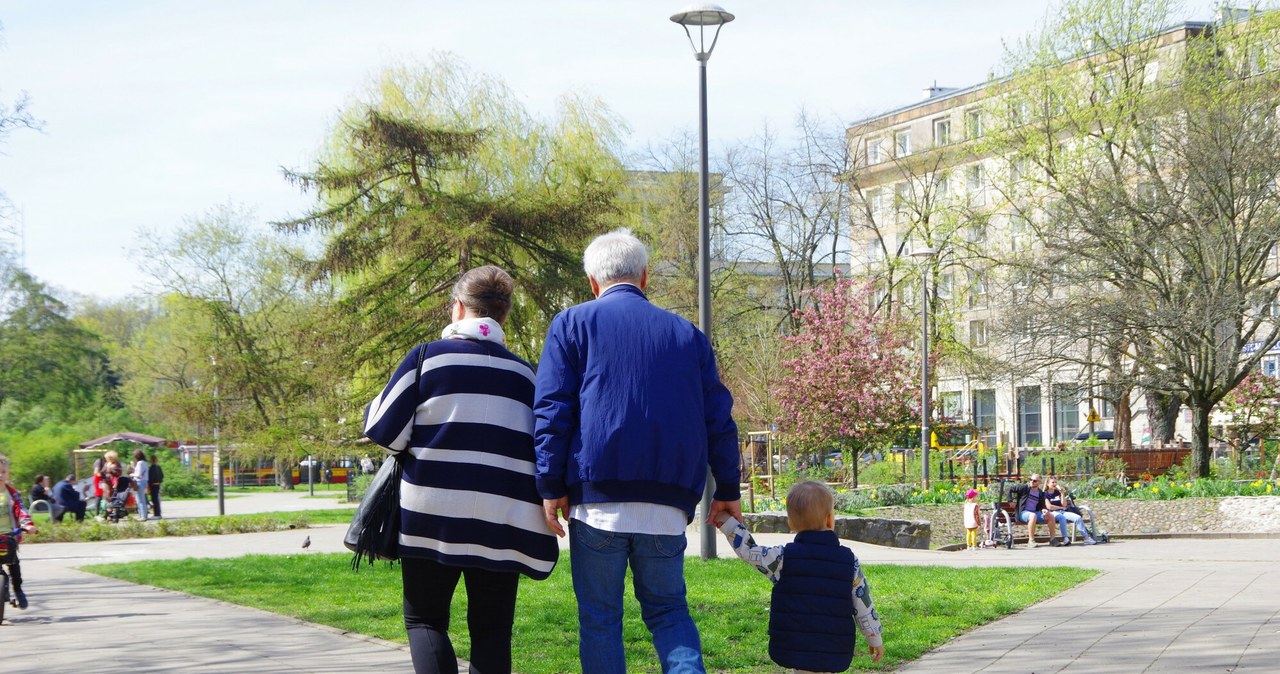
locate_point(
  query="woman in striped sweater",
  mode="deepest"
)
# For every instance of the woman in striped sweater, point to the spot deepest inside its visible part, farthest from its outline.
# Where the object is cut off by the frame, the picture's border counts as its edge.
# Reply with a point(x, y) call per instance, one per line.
point(458, 413)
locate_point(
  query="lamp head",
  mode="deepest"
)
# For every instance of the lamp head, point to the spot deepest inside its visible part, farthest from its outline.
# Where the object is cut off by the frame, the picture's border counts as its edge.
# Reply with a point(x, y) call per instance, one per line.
point(701, 15)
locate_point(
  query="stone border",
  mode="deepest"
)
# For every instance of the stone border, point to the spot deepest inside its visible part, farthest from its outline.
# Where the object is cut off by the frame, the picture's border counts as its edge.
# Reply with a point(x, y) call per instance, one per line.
point(896, 533)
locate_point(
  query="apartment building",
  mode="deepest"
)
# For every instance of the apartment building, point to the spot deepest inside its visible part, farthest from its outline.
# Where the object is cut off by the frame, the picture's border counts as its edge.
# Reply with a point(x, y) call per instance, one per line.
point(925, 177)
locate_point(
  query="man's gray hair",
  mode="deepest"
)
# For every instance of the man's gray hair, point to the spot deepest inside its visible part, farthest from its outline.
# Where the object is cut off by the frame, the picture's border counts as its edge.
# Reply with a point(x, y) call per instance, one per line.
point(616, 256)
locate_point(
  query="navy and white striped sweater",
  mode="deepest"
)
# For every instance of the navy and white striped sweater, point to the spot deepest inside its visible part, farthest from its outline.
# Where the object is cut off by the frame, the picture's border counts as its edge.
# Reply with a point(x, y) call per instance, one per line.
point(468, 496)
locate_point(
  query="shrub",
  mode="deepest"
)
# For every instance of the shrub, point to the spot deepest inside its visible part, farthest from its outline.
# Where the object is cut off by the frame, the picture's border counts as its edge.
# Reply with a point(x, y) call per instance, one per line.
point(179, 480)
point(93, 530)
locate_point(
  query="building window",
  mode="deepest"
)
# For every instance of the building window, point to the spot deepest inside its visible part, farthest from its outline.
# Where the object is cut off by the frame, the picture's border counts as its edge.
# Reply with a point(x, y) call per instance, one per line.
point(1150, 72)
point(951, 404)
point(977, 233)
point(902, 143)
point(973, 178)
point(901, 200)
point(875, 251)
point(946, 285)
point(984, 415)
point(941, 132)
point(875, 154)
point(875, 201)
point(1029, 416)
point(942, 187)
point(978, 295)
point(973, 124)
point(974, 184)
point(977, 332)
point(1066, 411)
point(1019, 232)
point(1018, 168)
point(1020, 112)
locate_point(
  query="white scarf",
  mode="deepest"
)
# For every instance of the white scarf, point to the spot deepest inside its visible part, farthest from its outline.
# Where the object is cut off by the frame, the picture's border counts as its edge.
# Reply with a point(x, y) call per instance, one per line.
point(480, 329)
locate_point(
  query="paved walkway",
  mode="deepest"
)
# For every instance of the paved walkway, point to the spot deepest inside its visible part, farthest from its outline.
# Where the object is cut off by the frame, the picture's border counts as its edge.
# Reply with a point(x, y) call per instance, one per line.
point(1172, 605)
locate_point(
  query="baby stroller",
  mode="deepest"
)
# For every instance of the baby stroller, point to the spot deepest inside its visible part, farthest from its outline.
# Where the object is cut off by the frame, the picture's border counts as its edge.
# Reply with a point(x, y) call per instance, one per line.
point(117, 505)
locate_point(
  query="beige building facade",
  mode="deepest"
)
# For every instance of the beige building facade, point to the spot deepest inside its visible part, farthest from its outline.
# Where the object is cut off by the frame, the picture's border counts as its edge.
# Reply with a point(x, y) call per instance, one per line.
point(925, 177)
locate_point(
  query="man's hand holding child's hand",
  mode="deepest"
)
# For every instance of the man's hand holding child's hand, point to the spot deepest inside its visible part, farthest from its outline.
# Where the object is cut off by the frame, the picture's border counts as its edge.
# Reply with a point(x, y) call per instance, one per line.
point(721, 517)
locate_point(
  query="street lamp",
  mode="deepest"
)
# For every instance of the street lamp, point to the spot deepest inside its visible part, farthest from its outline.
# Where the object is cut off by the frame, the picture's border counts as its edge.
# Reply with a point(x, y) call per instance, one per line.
point(702, 16)
point(924, 255)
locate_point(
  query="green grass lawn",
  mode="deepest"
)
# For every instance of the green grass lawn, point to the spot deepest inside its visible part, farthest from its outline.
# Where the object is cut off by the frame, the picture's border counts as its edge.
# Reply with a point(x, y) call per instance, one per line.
point(920, 606)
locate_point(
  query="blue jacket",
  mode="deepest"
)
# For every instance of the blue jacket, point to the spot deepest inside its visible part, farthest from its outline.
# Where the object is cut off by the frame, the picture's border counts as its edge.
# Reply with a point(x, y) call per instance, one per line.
point(629, 407)
point(811, 623)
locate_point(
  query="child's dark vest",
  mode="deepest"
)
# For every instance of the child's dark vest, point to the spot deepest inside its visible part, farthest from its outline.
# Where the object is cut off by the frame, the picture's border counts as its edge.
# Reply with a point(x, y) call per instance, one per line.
point(811, 615)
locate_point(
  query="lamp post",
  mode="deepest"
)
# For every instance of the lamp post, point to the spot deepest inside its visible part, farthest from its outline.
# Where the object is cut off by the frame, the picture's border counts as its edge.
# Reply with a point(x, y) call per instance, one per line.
point(702, 16)
point(924, 255)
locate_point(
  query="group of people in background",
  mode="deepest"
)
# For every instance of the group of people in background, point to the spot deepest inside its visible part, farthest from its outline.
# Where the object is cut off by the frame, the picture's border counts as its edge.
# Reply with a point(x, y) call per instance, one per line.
point(62, 498)
point(1048, 503)
point(144, 478)
point(616, 433)
point(110, 480)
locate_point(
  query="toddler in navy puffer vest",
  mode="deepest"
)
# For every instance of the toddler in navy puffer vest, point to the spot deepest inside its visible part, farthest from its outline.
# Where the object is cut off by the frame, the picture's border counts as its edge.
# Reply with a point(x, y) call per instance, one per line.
point(821, 594)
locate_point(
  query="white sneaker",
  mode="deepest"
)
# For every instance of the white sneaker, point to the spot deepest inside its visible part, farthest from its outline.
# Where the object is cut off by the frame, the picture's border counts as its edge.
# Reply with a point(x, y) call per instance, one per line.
point(1031, 544)
point(1090, 541)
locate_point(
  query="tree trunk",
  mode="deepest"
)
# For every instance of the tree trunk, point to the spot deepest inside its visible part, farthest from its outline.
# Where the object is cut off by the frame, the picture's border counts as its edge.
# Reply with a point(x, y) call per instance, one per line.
point(1200, 454)
point(1162, 411)
point(857, 459)
point(284, 479)
point(1124, 422)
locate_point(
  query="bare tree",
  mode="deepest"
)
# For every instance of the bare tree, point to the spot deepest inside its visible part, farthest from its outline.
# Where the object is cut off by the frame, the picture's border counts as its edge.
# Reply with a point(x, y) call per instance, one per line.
point(1150, 182)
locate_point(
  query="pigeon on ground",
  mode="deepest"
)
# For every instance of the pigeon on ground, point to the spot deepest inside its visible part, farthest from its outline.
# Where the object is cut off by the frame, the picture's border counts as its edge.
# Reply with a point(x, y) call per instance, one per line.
point(306, 543)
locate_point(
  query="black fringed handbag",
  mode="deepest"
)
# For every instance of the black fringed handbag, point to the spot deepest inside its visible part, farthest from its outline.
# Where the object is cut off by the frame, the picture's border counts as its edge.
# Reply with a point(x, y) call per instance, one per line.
point(375, 528)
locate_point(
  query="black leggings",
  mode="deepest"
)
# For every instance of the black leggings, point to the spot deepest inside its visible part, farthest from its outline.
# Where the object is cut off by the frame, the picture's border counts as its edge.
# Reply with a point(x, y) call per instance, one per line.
point(15, 575)
point(491, 609)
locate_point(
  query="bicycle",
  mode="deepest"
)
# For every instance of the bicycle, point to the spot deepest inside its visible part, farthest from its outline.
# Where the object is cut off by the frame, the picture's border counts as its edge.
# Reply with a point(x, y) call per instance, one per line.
point(997, 522)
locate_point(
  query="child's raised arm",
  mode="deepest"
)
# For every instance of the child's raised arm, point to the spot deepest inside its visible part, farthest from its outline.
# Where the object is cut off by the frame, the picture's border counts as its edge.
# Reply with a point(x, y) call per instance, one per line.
point(767, 560)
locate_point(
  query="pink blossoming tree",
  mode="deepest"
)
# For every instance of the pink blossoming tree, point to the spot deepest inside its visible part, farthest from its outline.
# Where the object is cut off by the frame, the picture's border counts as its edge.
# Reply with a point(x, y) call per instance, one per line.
point(1252, 411)
point(849, 375)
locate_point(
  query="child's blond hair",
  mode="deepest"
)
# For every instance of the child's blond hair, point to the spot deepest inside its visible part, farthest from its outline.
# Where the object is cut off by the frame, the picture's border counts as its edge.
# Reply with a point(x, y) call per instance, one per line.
point(809, 503)
point(4, 459)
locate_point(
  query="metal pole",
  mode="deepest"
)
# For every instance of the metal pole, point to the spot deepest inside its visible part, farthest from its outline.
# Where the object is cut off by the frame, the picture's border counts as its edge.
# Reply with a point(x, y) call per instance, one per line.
point(311, 471)
point(217, 455)
point(924, 373)
point(217, 422)
point(704, 273)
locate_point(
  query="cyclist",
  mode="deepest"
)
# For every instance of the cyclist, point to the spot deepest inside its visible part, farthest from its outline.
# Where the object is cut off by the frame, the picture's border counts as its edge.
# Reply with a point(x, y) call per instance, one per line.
point(13, 521)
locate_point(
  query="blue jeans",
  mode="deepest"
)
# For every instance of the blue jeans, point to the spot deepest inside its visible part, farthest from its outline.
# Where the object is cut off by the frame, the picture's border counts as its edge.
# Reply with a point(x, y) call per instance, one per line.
point(600, 559)
point(1065, 518)
point(142, 501)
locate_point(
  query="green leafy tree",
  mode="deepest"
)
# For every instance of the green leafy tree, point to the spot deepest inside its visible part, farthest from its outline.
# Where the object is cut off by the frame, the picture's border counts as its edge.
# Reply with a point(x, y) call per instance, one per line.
point(45, 357)
point(239, 342)
point(435, 170)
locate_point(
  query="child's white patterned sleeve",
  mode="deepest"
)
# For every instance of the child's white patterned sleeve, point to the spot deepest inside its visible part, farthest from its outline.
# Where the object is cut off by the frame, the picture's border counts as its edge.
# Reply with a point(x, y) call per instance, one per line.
point(767, 560)
point(864, 609)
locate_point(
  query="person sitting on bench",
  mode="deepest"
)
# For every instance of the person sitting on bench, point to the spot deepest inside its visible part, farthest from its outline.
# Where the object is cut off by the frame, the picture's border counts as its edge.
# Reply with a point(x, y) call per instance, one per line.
point(1030, 506)
point(69, 497)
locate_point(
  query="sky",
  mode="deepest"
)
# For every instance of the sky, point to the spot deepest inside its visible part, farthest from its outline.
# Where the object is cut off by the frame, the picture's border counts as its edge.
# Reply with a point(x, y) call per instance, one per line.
point(156, 112)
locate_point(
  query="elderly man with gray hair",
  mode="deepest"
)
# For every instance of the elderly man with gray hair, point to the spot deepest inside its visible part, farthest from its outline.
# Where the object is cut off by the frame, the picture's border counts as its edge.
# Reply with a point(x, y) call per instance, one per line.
point(629, 412)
